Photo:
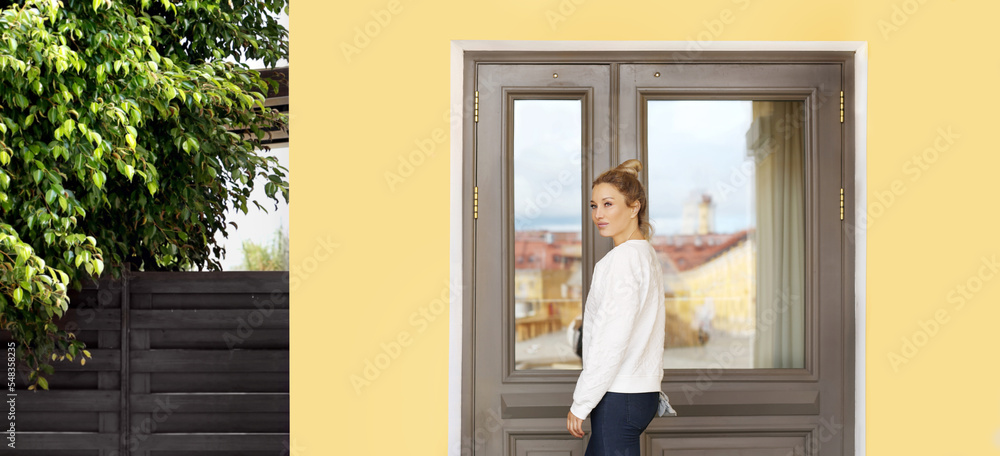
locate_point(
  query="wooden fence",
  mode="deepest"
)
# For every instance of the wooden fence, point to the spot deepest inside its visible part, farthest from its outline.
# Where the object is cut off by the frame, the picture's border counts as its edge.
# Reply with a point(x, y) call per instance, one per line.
point(184, 363)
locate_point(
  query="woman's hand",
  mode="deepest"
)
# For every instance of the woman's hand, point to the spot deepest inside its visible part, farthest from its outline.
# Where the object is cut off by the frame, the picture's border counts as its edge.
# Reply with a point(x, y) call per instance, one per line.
point(574, 425)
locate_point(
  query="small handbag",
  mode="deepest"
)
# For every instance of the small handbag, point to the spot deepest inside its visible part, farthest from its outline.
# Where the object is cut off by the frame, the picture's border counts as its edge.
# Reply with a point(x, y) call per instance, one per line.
point(665, 408)
point(578, 346)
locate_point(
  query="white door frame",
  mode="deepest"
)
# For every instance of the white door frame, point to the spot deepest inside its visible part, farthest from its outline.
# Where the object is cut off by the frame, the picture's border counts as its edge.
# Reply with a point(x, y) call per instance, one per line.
point(857, 103)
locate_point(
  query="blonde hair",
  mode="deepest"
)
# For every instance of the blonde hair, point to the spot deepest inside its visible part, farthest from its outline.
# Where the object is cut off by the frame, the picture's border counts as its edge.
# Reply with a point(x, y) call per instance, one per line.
point(625, 178)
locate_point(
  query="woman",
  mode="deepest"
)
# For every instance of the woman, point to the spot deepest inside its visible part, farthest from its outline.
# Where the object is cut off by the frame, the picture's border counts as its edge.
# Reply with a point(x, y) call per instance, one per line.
point(623, 322)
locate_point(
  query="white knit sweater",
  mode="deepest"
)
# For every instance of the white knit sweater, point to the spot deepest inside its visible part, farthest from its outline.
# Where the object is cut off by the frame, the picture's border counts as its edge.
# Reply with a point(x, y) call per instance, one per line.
point(623, 326)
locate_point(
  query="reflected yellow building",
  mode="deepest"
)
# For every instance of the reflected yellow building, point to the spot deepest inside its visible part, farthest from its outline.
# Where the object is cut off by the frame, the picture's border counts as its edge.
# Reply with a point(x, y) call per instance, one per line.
point(718, 292)
point(547, 282)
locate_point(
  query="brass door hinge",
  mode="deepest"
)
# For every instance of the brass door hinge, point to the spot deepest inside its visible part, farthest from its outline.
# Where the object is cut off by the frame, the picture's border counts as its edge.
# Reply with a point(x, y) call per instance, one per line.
point(475, 202)
point(841, 203)
point(475, 108)
point(841, 106)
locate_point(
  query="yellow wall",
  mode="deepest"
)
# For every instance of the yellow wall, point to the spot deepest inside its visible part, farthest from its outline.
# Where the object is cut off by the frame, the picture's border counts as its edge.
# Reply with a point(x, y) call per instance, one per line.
point(385, 279)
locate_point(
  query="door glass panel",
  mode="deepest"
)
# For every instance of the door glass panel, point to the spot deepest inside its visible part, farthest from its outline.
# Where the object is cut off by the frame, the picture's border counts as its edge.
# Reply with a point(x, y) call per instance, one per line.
point(726, 201)
point(548, 277)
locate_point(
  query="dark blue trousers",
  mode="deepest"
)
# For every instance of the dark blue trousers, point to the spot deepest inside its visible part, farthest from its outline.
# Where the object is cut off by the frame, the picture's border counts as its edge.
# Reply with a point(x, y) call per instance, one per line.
point(617, 422)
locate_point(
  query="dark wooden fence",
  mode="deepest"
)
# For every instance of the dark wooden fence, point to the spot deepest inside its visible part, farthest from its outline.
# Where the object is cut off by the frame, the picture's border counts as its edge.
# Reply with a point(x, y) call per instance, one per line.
point(184, 363)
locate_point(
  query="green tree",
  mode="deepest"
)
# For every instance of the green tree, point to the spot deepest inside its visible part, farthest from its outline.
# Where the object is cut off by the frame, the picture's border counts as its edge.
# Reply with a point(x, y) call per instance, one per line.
point(116, 146)
point(273, 257)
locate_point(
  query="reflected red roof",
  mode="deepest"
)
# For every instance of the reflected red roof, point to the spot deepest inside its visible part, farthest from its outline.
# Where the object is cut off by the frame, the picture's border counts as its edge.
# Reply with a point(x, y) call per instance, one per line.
point(690, 251)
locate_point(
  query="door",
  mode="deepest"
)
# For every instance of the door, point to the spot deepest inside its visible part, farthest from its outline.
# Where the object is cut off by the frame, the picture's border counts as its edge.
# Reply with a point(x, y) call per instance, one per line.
point(743, 166)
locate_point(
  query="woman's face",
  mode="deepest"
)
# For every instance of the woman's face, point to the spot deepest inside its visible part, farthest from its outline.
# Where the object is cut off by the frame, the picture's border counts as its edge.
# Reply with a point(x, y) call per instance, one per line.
point(608, 211)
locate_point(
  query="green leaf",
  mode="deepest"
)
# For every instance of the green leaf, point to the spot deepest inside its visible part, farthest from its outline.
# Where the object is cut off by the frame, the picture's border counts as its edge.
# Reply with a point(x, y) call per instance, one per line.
point(190, 144)
point(98, 177)
point(42, 382)
point(18, 295)
point(152, 187)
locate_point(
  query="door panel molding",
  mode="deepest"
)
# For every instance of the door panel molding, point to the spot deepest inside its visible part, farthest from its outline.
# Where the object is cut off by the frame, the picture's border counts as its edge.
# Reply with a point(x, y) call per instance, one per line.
point(732, 402)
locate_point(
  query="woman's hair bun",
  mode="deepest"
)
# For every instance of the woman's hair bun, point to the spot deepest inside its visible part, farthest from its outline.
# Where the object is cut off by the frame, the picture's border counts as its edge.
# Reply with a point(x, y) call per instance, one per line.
point(631, 166)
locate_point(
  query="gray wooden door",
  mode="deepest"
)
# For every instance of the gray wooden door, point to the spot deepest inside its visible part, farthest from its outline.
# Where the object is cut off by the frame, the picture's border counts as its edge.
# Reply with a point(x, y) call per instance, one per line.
point(545, 128)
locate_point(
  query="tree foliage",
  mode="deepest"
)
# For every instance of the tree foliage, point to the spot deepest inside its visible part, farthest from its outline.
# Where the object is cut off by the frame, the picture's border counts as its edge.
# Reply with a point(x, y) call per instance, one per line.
point(263, 257)
point(117, 149)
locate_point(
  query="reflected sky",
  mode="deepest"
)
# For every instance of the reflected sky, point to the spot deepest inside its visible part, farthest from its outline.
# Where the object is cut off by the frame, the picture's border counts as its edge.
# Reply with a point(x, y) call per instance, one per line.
point(547, 142)
point(699, 147)
point(695, 147)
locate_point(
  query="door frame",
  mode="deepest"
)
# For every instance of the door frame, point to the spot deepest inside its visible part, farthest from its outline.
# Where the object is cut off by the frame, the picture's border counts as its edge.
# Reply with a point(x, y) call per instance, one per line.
point(465, 54)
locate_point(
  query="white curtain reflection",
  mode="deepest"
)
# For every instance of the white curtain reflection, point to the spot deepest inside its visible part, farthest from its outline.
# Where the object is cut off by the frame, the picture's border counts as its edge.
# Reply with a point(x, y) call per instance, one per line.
point(775, 143)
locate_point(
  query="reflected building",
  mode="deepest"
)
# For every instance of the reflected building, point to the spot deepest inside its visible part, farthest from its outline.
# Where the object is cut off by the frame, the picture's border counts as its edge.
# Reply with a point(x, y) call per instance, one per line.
point(548, 283)
point(708, 278)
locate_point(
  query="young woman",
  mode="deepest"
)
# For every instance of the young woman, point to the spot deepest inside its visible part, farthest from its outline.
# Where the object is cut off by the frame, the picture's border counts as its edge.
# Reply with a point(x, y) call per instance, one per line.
point(623, 322)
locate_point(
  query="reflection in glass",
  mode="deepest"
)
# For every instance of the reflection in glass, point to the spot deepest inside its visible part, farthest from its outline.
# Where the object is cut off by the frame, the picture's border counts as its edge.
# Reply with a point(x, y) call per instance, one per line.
point(547, 248)
point(726, 200)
